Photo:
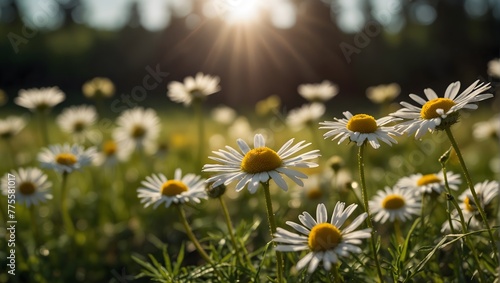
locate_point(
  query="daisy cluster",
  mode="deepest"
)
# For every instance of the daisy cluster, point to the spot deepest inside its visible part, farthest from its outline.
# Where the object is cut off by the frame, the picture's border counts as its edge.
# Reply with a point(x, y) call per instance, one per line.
point(134, 165)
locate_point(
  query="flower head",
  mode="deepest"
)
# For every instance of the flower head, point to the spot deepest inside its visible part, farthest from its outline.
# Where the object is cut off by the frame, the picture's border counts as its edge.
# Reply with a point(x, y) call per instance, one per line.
point(66, 158)
point(197, 87)
point(224, 115)
point(77, 120)
point(98, 87)
point(487, 129)
point(260, 164)
point(307, 114)
point(325, 240)
point(268, 105)
point(110, 154)
point(494, 68)
point(157, 189)
point(31, 186)
point(138, 128)
point(428, 183)
point(39, 98)
point(360, 128)
point(324, 91)
point(439, 113)
point(11, 126)
point(383, 93)
point(392, 204)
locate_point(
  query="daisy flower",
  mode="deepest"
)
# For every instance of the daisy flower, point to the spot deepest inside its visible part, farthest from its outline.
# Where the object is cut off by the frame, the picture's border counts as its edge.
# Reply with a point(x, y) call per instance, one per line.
point(312, 192)
point(383, 93)
point(39, 98)
point(494, 68)
point(197, 87)
point(307, 114)
point(31, 186)
point(260, 164)
point(325, 240)
point(486, 191)
point(394, 204)
point(77, 120)
point(11, 126)
point(110, 154)
point(138, 128)
point(224, 115)
point(426, 184)
point(66, 158)
point(98, 87)
point(360, 128)
point(324, 91)
point(439, 113)
point(270, 105)
point(487, 129)
point(157, 189)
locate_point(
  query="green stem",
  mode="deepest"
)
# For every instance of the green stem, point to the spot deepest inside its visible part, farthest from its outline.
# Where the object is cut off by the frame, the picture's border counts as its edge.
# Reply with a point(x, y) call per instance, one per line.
point(34, 227)
point(472, 189)
point(68, 223)
point(336, 275)
point(272, 228)
point(198, 105)
point(43, 126)
point(367, 210)
point(463, 223)
point(422, 217)
point(191, 236)
point(231, 232)
point(397, 231)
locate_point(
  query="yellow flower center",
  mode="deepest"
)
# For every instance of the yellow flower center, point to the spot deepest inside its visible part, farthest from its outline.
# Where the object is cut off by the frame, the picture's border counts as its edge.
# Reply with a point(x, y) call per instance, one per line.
point(323, 237)
point(362, 123)
point(109, 148)
point(138, 131)
point(393, 202)
point(261, 159)
point(429, 109)
point(428, 179)
point(314, 194)
point(173, 187)
point(67, 159)
point(27, 188)
point(470, 206)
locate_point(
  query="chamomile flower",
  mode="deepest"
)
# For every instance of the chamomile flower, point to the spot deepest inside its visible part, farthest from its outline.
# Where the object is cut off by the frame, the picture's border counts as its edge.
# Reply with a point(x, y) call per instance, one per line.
point(66, 158)
point(157, 189)
point(325, 240)
point(260, 164)
point(39, 98)
point(77, 120)
point(224, 114)
point(428, 183)
point(486, 192)
point(197, 87)
point(138, 128)
point(324, 91)
point(487, 129)
point(383, 93)
point(439, 113)
point(98, 87)
point(396, 203)
point(31, 186)
point(11, 126)
point(307, 114)
point(360, 128)
point(312, 192)
point(110, 154)
point(494, 68)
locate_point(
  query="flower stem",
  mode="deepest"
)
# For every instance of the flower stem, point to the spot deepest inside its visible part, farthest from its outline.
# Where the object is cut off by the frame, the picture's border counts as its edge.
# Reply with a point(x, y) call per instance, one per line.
point(422, 216)
point(472, 189)
point(462, 222)
point(34, 227)
point(191, 236)
point(198, 105)
point(68, 223)
point(397, 231)
point(231, 232)
point(335, 272)
point(43, 126)
point(272, 228)
point(367, 210)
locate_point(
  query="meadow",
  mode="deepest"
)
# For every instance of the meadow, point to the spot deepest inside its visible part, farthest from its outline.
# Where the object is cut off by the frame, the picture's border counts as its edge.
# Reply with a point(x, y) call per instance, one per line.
point(99, 211)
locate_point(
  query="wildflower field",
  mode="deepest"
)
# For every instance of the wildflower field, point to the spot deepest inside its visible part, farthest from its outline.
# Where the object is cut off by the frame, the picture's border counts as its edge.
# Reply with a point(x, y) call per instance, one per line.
point(206, 194)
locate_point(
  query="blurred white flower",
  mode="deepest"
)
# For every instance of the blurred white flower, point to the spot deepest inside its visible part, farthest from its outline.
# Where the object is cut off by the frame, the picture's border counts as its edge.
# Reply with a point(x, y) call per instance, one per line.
point(223, 114)
point(138, 128)
point(383, 93)
point(66, 158)
point(39, 98)
point(31, 186)
point(98, 87)
point(197, 87)
point(324, 91)
point(394, 204)
point(487, 129)
point(494, 68)
point(77, 120)
point(307, 114)
point(11, 126)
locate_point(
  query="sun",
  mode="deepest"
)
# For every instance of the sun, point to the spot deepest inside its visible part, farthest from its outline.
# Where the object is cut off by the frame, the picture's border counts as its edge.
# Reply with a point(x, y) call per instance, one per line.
point(242, 11)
